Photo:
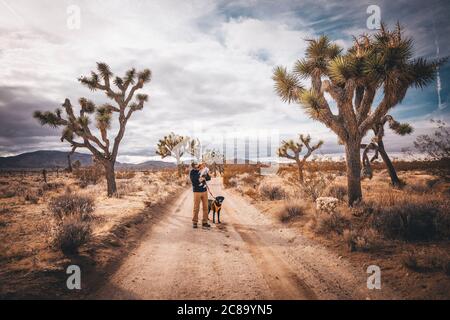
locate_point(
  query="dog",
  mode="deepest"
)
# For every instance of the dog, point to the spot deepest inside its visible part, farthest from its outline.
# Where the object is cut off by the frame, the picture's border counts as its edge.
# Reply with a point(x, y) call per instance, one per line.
point(215, 205)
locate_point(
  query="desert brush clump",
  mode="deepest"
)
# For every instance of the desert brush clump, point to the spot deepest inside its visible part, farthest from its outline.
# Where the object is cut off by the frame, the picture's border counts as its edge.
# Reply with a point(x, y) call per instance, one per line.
point(72, 215)
point(432, 260)
point(72, 204)
point(291, 210)
point(327, 224)
point(271, 191)
point(315, 184)
point(336, 191)
point(365, 239)
point(90, 175)
point(412, 221)
point(72, 234)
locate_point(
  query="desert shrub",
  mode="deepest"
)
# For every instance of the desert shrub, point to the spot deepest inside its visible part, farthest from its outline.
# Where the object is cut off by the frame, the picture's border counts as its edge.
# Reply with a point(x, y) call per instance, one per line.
point(271, 191)
point(365, 239)
point(7, 192)
point(33, 195)
point(314, 185)
point(232, 170)
point(411, 221)
point(125, 174)
point(337, 191)
point(72, 204)
point(418, 188)
point(89, 175)
point(247, 178)
point(409, 260)
point(429, 260)
point(52, 186)
point(126, 187)
point(251, 192)
point(71, 234)
point(443, 223)
point(231, 182)
point(329, 223)
point(290, 211)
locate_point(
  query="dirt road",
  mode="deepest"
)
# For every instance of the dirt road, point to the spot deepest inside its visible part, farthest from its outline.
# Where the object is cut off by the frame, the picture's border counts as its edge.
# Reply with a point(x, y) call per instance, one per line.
point(248, 256)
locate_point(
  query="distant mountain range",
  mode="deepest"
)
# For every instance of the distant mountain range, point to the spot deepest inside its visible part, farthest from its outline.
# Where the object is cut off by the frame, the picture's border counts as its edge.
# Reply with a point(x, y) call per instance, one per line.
point(58, 159)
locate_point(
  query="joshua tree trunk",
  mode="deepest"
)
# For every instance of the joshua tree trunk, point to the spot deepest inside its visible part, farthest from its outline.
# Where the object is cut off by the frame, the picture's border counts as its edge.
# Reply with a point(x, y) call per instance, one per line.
point(110, 178)
point(44, 174)
point(353, 162)
point(180, 169)
point(390, 167)
point(300, 171)
point(69, 163)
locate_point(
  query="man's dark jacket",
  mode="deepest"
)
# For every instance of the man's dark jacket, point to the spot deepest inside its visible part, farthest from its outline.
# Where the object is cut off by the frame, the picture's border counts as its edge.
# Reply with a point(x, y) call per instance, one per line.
point(195, 180)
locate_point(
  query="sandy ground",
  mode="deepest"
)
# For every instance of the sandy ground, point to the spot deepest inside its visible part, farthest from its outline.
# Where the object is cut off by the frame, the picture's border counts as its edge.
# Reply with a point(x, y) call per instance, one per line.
point(248, 256)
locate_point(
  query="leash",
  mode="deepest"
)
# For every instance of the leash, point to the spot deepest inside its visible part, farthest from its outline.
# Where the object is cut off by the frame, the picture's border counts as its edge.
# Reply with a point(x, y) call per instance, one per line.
point(207, 188)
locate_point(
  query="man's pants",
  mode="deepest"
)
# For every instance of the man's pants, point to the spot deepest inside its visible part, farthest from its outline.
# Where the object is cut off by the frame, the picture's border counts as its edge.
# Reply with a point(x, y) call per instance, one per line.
point(203, 198)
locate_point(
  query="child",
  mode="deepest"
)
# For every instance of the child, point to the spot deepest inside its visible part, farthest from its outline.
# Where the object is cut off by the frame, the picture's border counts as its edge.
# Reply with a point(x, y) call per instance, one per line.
point(204, 174)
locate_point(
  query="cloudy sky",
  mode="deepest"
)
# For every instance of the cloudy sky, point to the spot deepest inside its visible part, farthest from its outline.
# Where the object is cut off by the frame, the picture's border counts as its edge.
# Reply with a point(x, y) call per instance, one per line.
point(211, 61)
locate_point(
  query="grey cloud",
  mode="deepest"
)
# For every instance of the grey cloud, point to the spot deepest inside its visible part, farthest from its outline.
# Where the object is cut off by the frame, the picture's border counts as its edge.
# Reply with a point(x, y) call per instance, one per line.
point(16, 108)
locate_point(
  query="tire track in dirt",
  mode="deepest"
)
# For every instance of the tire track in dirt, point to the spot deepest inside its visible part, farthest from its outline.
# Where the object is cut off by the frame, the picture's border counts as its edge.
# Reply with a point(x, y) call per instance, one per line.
point(282, 280)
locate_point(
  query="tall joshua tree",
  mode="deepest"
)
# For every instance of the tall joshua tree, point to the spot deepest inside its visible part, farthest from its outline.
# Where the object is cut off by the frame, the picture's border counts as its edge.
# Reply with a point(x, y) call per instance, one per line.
point(175, 146)
point(292, 149)
point(377, 145)
point(77, 129)
point(382, 62)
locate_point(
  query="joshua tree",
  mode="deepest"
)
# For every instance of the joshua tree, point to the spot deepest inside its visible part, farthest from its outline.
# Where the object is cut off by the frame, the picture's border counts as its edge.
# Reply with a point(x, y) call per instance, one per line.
point(377, 145)
point(374, 63)
point(215, 160)
point(291, 150)
point(76, 127)
point(175, 146)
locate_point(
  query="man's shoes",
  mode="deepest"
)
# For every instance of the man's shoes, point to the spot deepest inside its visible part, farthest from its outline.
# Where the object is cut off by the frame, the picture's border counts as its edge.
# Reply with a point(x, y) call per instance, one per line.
point(206, 225)
point(194, 225)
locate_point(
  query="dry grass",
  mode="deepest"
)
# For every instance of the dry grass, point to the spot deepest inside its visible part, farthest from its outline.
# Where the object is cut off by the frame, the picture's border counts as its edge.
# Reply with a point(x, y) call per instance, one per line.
point(34, 239)
point(125, 174)
point(435, 260)
point(269, 191)
point(291, 210)
point(90, 175)
point(69, 204)
point(327, 224)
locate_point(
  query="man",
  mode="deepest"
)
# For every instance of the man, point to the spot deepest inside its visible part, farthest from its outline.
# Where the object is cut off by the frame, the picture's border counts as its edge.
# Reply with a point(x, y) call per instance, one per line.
point(200, 195)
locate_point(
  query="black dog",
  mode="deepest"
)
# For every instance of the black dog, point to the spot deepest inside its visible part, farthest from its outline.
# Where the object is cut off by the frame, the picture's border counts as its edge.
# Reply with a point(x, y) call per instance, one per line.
point(215, 206)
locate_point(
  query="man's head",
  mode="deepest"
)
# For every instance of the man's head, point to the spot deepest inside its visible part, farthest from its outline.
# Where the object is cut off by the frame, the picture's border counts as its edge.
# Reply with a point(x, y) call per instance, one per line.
point(194, 165)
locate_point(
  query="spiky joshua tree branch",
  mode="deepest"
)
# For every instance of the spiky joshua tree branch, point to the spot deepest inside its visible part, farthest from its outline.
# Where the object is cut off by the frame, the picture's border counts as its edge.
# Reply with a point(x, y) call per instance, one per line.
point(76, 125)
